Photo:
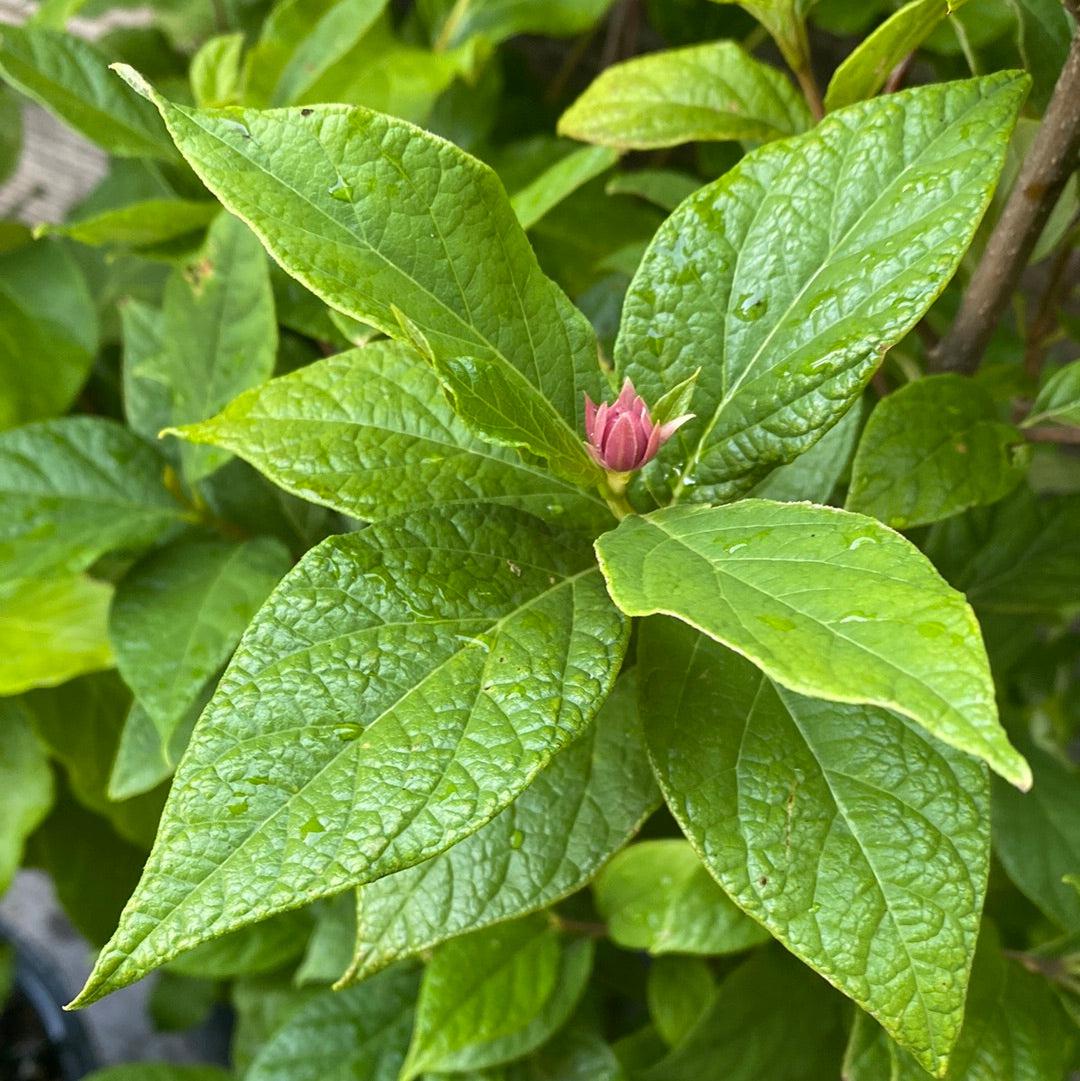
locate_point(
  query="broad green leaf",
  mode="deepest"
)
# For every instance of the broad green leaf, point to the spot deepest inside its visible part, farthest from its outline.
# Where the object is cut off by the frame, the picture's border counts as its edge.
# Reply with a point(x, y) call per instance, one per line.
point(715, 91)
point(143, 759)
point(1044, 36)
point(369, 432)
point(827, 603)
point(48, 332)
point(26, 786)
point(679, 991)
point(1014, 1030)
point(786, 22)
point(331, 944)
point(664, 187)
point(495, 995)
point(382, 220)
point(1037, 836)
point(1059, 399)
point(331, 37)
point(146, 393)
point(75, 488)
point(1021, 556)
point(861, 843)
point(179, 612)
point(158, 1071)
point(400, 687)
point(657, 896)
point(815, 474)
point(558, 181)
point(771, 1018)
point(250, 951)
point(72, 80)
point(361, 1034)
point(864, 70)
point(574, 1054)
point(80, 724)
point(453, 22)
point(546, 845)
point(139, 225)
point(178, 1003)
point(787, 279)
point(52, 629)
point(216, 71)
point(219, 335)
point(11, 131)
point(932, 449)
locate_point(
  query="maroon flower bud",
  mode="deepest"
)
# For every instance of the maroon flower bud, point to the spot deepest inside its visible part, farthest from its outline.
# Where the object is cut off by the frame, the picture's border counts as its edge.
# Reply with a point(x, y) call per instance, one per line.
point(622, 435)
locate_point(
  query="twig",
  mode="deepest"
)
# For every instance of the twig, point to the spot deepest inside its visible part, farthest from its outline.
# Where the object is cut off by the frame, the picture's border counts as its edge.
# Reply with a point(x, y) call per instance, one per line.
point(811, 90)
point(1042, 327)
point(1042, 177)
point(898, 74)
point(1069, 437)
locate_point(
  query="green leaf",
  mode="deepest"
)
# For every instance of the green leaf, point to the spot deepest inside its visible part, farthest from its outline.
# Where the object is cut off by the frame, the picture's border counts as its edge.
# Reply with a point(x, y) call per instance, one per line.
point(679, 991)
point(1037, 836)
point(657, 896)
point(142, 224)
point(179, 612)
point(146, 393)
point(1059, 398)
point(932, 449)
point(48, 332)
point(495, 995)
point(216, 71)
point(361, 1034)
point(825, 602)
point(377, 218)
point(771, 1018)
point(664, 187)
point(72, 80)
point(1014, 1030)
point(219, 335)
point(158, 1071)
point(786, 22)
point(715, 91)
point(52, 629)
point(26, 786)
point(546, 845)
point(559, 181)
point(250, 951)
point(400, 688)
point(815, 474)
point(788, 278)
point(11, 132)
point(864, 70)
point(808, 813)
point(369, 432)
point(1045, 33)
point(143, 759)
point(453, 22)
point(331, 37)
point(75, 488)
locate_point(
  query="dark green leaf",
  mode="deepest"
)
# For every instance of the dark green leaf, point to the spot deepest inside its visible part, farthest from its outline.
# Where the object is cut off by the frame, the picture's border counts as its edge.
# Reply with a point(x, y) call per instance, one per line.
point(26, 786)
point(679, 991)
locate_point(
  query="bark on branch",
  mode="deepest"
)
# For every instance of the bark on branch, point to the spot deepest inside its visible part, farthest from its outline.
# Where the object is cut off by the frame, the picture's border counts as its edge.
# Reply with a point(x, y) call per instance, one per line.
point(1051, 160)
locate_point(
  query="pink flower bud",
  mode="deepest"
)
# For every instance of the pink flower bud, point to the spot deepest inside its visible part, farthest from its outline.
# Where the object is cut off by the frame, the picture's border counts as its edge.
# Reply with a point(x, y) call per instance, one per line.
point(622, 436)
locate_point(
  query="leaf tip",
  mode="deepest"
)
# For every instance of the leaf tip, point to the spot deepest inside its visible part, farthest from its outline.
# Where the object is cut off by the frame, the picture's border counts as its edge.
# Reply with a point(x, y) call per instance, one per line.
point(134, 80)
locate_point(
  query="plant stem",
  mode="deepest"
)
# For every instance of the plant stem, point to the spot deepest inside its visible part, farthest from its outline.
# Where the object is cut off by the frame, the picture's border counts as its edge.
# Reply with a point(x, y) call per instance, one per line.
point(1041, 329)
point(811, 90)
point(613, 489)
point(1048, 165)
point(1053, 434)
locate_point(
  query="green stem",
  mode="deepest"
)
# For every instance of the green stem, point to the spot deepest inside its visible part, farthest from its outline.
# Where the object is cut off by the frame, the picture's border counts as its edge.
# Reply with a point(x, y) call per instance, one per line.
point(613, 489)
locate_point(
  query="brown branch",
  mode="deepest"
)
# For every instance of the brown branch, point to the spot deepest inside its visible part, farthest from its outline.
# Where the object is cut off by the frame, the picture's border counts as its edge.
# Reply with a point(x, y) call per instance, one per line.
point(1053, 434)
point(811, 91)
point(898, 74)
point(1048, 165)
point(1041, 329)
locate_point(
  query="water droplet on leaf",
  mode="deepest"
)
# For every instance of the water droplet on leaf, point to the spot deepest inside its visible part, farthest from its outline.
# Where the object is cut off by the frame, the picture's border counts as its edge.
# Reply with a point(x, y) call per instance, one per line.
point(751, 307)
point(347, 730)
point(340, 190)
point(517, 839)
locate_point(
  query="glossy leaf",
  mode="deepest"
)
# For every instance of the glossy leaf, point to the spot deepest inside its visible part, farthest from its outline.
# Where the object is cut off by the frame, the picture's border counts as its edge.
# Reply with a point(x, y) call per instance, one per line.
point(48, 332)
point(52, 629)
point(558, 181)
point(825, 602)
point(713, 92)
point(361, 1033)
point(370, 433)
point(72, 80)
point(863, 72)
point(658, 896)
point(379, 219)
point(786, 22)
point(932, 449)
point(179, 612)
point(859, 841)
point(788, 278)
point(771, 1018)
point(26, 785)
point(218, 332)
point(75, 488)
point(495, 995)
point(547, 844)
point(400, 688)
point(1059, 399)
point(1037, 837)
